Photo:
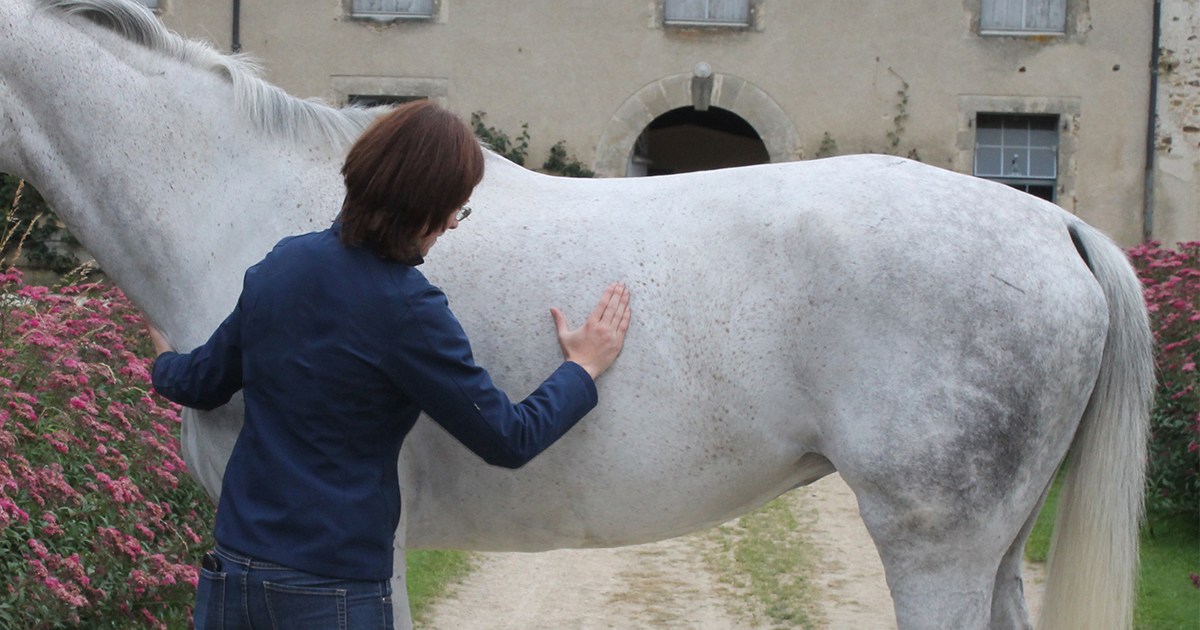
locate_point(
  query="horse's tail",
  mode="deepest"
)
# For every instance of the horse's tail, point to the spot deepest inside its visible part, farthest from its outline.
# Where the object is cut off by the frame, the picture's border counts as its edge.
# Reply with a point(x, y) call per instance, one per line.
point(1094, 552)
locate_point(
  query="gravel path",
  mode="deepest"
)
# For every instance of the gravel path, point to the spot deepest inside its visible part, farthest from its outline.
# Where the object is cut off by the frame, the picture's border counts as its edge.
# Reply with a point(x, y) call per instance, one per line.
point(668, 585)
point(660, 585)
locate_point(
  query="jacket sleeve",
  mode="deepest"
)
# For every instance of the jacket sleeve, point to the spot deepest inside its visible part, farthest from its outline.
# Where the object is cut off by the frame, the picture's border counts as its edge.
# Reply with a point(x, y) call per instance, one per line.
point(434, 368)
point(208, 376)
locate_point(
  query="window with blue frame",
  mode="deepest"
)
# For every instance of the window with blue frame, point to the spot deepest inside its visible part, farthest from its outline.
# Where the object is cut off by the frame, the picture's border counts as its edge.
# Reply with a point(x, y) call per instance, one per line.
point(1018, 150)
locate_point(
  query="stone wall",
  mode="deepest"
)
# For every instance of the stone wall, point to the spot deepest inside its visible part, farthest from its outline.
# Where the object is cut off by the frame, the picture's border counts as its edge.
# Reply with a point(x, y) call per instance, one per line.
point(1177, 189)
point(595, 73)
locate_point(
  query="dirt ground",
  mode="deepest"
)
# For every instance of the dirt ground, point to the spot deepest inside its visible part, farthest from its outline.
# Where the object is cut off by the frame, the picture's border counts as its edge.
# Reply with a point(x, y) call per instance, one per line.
point(668, 584)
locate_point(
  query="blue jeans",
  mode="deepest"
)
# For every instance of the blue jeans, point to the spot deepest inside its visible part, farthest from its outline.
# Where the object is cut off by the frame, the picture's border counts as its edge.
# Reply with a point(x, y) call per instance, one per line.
point(251, 594)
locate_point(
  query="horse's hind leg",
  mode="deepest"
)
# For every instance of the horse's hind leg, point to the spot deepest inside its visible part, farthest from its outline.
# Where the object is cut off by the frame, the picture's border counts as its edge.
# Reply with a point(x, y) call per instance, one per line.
point(1009, 611)
point(941, 565)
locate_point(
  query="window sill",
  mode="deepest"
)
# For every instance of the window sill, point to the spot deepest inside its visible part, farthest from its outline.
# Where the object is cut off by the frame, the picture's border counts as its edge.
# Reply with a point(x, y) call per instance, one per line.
point(704, 24)
point(996, 33)
point(392, 17)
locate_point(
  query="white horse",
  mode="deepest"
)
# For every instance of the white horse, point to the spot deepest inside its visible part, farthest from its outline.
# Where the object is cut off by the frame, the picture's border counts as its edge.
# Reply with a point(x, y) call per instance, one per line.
point(940, 340)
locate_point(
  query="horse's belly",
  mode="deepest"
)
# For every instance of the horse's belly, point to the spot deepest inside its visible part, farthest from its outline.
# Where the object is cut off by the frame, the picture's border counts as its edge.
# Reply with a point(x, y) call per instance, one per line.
point(604, 484)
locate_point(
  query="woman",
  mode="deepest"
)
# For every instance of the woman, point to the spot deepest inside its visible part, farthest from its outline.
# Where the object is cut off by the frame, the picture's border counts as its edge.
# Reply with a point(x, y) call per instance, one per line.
point(338, 343)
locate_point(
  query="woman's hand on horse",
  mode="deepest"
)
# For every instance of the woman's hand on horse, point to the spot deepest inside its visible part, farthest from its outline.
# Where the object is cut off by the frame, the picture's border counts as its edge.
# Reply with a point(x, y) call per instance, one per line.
point(596, 344)
point(161, 344)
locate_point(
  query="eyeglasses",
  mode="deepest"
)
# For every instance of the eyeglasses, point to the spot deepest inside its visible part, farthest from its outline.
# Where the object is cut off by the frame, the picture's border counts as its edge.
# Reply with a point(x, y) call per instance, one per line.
point(463, 213)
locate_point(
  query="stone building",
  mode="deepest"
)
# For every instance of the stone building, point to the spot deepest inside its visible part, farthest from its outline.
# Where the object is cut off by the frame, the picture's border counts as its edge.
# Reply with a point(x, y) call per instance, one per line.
point(1052, 96)
point(1176, 203)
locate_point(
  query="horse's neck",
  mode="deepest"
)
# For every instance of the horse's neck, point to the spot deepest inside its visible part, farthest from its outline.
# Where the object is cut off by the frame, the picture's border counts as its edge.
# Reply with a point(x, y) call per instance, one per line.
point(145, 159)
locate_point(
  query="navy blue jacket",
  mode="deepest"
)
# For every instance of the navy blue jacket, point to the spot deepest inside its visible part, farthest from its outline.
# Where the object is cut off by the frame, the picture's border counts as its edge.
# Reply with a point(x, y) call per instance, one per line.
point(337, 352)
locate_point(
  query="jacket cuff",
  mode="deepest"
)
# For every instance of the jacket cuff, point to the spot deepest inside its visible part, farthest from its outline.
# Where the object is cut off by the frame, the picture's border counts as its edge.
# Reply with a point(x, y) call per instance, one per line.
point(158, 374)
point(588, 383)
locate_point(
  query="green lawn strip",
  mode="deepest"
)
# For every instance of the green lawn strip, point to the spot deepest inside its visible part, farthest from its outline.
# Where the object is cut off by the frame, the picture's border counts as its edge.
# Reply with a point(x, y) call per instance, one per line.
point(764, 560)
point(430, 573)
point(1167, 599)
point(1038, 545)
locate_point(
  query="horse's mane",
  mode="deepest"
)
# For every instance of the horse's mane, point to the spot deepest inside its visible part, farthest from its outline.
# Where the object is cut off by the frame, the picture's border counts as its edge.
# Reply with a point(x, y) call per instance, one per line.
point(271, 109)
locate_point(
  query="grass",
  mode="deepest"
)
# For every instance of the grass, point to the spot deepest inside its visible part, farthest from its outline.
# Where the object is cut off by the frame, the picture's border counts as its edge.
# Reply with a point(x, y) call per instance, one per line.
point(1038, 545)
point(763, 558)
point(1167, 599)
point(430, 573)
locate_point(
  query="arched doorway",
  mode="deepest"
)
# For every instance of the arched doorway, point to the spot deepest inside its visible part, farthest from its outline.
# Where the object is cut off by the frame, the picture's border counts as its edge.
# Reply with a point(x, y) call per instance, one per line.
point(725, 91)
point(685, 139)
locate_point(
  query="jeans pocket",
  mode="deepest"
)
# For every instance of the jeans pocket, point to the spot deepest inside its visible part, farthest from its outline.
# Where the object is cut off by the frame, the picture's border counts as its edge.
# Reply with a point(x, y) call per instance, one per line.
point(305, 607)
point(386, 609)
point(210, 601)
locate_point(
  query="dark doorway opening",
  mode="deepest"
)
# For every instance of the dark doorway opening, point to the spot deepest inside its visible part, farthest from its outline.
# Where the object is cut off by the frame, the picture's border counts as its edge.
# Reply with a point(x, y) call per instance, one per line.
point(684, 140)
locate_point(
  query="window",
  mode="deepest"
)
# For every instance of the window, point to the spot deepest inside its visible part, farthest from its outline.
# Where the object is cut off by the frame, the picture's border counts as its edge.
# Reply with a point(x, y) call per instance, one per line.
point(375, 100)
point(707, 12)
point(1023, 17)
point(150, 4)
point(1021, 151)
point(393, 9)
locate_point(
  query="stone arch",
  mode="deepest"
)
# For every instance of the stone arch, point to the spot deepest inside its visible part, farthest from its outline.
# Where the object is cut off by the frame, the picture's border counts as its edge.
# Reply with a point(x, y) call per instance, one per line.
point(671, 92)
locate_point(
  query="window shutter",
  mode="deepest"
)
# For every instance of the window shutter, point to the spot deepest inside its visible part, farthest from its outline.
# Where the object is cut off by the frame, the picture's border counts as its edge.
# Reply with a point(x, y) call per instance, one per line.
point(1045, 16)
point(686, 10)
point(732, 11)
point(713, 11)
point(413, 8)
point(1003, 15)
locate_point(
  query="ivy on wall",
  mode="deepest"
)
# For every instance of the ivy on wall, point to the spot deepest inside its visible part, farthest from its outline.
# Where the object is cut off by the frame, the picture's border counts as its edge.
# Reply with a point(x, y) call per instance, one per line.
point(895, 135)
point(517, 149)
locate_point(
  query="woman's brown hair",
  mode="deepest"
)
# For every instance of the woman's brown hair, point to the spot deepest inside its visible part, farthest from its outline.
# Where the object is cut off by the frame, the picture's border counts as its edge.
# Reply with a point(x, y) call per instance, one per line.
point(405, 177)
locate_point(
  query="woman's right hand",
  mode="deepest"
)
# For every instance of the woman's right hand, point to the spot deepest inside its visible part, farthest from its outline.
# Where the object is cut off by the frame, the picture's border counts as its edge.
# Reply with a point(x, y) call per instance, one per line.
point(161, 344)
point(596, 344)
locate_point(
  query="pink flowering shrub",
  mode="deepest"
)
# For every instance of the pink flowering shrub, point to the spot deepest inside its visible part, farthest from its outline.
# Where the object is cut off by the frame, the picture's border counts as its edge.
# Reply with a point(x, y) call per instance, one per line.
point(100, 525)
point(1172, 289)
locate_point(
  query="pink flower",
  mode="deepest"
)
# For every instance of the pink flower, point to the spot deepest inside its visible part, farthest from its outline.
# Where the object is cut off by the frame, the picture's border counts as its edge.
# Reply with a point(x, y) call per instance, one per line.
point(68, 593)
point(38, 548)
point(120, 543)
point(7, 481)
point(24, 410)
point(145, 531)
point(51, 528)
point(158, 625)
point(29, 398)
point(191, 534)
point(61, 447)
point(123, 490)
